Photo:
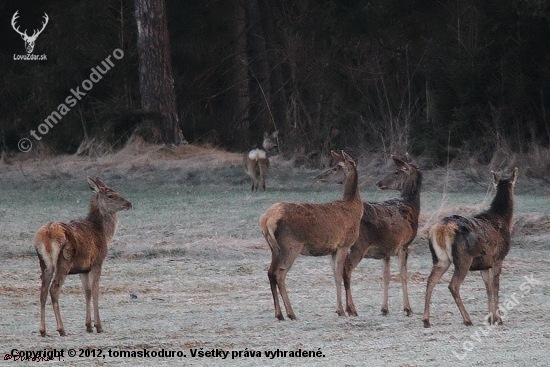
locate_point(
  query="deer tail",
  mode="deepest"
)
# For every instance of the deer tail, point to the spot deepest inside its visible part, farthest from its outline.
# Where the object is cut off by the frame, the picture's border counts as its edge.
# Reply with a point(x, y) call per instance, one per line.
point(441, 238)
point(49, 240)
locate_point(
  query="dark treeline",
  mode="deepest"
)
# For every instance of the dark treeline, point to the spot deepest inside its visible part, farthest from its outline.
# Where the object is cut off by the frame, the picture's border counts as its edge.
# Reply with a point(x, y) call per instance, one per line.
point(428, 77)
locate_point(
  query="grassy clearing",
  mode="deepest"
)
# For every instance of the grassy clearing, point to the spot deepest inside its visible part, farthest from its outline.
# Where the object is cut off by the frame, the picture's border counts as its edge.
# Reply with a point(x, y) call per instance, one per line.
point(192, 252)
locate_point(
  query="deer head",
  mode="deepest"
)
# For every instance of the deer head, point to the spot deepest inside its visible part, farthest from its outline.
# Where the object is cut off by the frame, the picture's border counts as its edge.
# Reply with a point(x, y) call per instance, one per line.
point(29, 40)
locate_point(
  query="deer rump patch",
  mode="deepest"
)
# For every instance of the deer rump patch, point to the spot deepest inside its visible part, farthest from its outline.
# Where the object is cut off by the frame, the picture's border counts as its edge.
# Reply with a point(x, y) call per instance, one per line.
point(256, 154)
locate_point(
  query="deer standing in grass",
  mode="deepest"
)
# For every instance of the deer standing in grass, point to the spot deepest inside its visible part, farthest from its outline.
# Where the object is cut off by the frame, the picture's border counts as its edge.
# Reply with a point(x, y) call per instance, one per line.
point(309, 229)
point(478, 243)
point(256, 161)
point(78, 247)
point(387, 228)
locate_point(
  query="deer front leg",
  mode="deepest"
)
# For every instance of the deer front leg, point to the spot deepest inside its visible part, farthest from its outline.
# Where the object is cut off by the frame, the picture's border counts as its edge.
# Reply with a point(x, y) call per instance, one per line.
point(497, 267)
point(487, 276)
point(84, 277)
point(338, 260)
point(386, 277)
point(403, 256)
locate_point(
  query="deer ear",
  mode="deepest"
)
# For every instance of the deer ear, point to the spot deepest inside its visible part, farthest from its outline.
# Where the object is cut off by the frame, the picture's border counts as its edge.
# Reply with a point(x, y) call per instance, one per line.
point(514, 176)
point(275, 134)
point(337, 157)
point(400, 163)
point(348, 157)
point(495, 177)
point(93, 185)
point(100, 182)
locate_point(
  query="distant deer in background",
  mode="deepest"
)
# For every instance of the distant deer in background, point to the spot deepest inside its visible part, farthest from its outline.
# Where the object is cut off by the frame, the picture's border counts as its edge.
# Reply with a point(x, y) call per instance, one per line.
point(324, 229)
point(387, 228)
point(256, 161)
point(478, 243)
point(78, 247)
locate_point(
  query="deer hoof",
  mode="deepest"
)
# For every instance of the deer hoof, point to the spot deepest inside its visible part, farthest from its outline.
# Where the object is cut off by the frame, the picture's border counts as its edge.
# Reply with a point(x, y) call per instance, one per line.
point(385, 312)
point(280, 317)
point(89, 328)
point(351, 312)
point(408, 311)
point(61, 332)
point(468, 323)
point(99, 329)
point(426, 323)
point(292, 317)
point(42, 333)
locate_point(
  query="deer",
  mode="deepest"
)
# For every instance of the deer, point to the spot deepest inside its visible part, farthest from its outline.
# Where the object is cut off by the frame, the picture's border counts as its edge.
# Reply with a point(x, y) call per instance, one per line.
point(387, 227)
point(311, 229)
point(256, 160)
point(479, 243)
point(29, 40)
point(78, 247)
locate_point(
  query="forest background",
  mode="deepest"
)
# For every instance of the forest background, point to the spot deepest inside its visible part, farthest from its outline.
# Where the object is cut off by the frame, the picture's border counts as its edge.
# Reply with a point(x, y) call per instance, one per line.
point(439, 79)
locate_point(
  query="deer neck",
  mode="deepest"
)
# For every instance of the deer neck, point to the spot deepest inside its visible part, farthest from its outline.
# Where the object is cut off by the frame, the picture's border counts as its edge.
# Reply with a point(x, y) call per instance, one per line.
point(105, 220)
point(351, 192)
point(503, 203)
point(411, 190)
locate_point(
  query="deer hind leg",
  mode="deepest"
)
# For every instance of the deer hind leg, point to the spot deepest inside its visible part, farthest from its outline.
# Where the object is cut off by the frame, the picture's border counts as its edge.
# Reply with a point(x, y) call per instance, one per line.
point(403, 256)
point(386, 281)
point(263, 172)
point(338, 261)
point(46, 276)
point(85, 278)
point(441, 264)
point(284, 263)
point(60, 275)
point(255, 170)
point(95, 274)
point(351, 262)
point(47, 250)
point(462, 267)
point(273, 283)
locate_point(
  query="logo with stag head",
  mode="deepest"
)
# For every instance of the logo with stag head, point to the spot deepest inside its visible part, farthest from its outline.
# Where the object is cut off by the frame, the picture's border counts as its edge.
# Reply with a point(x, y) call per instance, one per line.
point(29, 40)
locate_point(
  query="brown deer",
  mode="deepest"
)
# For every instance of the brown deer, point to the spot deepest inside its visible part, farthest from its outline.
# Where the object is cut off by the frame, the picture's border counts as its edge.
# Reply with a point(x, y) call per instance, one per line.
point(478, 243)
point(387, 228)
point(256, 161)
point(78, 247)
point(309, 229)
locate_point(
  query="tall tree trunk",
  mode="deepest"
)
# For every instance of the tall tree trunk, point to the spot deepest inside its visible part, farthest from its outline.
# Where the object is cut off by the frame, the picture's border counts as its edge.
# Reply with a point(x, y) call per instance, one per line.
point(156, 84)
point(240, 77)
point(260, 90)
point(278, 101)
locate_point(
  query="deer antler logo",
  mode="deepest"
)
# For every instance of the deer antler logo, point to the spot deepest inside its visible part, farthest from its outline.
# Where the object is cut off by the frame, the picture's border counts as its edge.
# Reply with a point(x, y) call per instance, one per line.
point(29, 40)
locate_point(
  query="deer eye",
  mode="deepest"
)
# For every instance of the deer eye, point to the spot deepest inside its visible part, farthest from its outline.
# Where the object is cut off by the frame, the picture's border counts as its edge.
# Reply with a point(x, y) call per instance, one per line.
point(110, 196)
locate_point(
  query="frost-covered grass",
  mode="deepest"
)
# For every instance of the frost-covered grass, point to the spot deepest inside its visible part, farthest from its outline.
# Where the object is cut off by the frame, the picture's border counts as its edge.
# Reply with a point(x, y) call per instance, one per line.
point(192, 253)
